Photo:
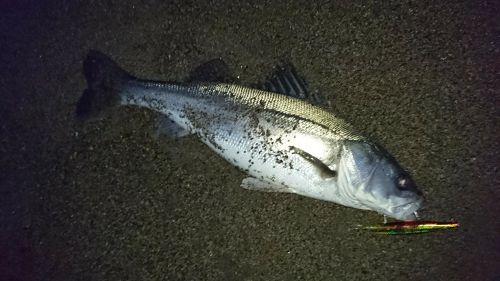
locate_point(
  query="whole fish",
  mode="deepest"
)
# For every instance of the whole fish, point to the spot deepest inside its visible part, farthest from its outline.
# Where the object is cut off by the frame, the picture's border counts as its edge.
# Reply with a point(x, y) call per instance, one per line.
point(284, 143)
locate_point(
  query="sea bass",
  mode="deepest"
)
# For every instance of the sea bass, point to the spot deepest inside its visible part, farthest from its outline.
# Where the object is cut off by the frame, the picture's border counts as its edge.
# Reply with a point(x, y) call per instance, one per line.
point(283, 143)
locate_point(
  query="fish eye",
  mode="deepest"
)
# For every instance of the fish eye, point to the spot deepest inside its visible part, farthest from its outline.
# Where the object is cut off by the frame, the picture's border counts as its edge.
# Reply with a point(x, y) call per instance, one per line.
point(405, 183)
point(402, 181)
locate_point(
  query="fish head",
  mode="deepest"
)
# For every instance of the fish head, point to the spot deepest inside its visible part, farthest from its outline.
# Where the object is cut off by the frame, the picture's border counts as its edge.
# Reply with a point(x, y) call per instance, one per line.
point(375, 181)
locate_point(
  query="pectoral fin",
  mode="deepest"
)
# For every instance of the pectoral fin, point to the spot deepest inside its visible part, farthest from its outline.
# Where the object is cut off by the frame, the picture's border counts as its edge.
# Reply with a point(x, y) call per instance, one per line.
point(323, 169)
point(252, 183)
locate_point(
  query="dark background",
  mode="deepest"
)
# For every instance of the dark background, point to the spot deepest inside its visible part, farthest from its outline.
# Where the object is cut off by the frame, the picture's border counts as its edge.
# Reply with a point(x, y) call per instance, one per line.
point(108, 201)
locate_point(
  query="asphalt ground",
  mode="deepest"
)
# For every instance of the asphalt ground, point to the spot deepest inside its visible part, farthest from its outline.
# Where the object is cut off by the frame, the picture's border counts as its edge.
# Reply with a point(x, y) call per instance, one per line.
point(106, 200)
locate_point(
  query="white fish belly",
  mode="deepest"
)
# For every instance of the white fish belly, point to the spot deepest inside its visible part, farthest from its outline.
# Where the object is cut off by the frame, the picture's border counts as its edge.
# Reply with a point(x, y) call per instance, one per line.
point(259, 155)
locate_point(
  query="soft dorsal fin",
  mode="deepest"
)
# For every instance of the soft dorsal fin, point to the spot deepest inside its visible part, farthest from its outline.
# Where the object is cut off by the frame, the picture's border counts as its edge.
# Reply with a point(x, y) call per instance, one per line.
point(285, 80)
point(215, 70)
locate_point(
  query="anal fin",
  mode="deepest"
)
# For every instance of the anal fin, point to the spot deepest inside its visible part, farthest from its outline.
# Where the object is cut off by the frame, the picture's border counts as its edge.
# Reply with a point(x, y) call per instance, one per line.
point(168, 128)
point(252, 183)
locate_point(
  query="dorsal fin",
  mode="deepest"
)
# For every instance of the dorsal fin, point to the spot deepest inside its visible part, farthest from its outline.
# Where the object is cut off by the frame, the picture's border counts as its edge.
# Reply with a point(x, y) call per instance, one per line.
point(215, 70)
point(285, 80)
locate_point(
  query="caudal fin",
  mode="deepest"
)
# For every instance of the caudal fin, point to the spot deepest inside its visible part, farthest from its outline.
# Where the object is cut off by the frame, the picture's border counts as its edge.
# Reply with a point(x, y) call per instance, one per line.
point(105, 81)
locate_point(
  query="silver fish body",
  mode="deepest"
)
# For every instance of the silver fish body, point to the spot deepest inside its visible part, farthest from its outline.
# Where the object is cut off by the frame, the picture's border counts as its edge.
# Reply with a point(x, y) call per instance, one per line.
point(283, 143)
point(259, 132)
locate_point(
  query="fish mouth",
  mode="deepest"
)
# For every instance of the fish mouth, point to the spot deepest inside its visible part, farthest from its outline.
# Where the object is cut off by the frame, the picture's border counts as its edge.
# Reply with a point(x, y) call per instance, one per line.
point(406, 211)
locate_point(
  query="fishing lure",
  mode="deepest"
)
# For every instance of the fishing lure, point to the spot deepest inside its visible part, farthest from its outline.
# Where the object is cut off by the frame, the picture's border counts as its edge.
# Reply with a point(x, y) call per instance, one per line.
point(410, 227)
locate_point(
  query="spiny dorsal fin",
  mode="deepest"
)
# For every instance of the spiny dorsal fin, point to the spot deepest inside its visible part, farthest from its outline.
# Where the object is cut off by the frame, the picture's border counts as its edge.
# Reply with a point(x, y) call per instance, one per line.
point(285, 80)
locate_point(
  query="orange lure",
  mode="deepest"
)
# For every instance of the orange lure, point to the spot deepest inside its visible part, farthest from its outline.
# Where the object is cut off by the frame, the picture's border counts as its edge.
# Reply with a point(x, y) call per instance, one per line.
point(410, 227)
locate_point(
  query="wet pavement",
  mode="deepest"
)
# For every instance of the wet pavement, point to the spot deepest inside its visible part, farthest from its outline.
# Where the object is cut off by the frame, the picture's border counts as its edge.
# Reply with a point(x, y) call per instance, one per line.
point(106, 200)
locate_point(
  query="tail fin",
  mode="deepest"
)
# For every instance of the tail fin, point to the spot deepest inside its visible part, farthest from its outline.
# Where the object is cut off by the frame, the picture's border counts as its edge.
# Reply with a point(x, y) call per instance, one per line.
point(105, 80)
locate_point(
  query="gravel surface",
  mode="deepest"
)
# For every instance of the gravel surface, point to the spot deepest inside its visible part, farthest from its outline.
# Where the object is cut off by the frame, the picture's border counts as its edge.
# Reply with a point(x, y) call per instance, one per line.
point(106, 200)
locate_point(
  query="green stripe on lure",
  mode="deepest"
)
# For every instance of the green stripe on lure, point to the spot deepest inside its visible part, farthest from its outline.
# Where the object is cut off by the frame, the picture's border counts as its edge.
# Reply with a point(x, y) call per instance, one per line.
point(410, 227)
